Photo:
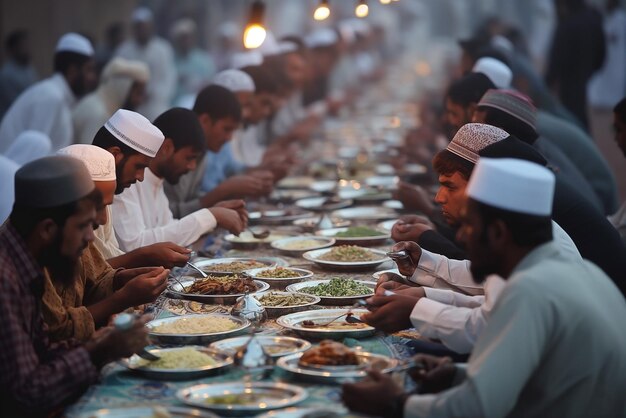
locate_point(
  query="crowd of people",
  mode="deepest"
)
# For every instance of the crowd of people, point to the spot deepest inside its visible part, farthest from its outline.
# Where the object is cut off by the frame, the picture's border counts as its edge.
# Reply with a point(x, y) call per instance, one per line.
point(516, 265)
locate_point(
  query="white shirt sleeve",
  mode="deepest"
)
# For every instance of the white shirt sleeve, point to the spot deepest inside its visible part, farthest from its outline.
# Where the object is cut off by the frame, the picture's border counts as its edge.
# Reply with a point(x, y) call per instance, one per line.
point(456, 320)
point(460, 401)
point(438, 271)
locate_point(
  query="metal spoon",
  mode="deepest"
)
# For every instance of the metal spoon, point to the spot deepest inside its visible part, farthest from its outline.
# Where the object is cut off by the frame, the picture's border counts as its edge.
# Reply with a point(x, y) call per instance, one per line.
point(198, 269)
point(260, 235)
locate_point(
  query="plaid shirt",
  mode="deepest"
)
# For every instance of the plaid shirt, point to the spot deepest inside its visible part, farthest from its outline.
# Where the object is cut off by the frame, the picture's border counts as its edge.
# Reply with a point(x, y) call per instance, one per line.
point(35, 377)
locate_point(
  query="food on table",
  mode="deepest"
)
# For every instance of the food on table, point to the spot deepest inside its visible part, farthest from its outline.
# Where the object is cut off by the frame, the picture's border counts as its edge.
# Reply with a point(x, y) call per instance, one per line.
point(235, 399)
point(303, 244)
point(222, 285)
point(329, 353)
point(197, 325)
point(338, 324)
point(278, 273)
point(273, 349)
point(338, 287)
point(275, 300)
point(247, 237)
point(358, 232)
point(349, 253)
point(183, 358)
point(234, 267)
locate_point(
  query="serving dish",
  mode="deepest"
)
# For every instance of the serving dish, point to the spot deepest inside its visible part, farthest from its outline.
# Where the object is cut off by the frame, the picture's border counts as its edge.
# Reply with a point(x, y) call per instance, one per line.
point(276, 311)
point(279, 282)
point(315, 255)
point(333, 300)
point(275, 346)
point(296, 246)
point(194, 339)
point(294, 322)
point(366, 213)
point(177, 291)
point(366, 241)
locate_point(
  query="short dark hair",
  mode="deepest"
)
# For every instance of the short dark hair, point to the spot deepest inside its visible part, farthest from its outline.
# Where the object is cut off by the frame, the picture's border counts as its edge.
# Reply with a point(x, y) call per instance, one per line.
point(105, 139)
point(217, 102)
point(182, 127)
point(469, 89)
point(14, 38)
point(25, 218)
point(620, 110)
point(526, 230)
point(263, 79)
point(64, 60)
point(510, 123)
point(446, 163)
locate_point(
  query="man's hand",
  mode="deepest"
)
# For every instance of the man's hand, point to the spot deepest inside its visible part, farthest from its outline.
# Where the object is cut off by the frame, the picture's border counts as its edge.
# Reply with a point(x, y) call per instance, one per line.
point(125, 275)
point(410, 228)
point(236, 205)
point(259, 184)
point(415, 253)
point(144, 288)
point(166, 254)
point(109, 344)
point(414, 198)
point(228, 219)
point(437, 374)
point(376, 395)
point(390, 281)
point(390, 313)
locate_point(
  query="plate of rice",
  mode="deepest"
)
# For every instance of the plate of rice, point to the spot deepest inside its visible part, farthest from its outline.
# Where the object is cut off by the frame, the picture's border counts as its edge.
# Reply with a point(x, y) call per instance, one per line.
point(195, 329)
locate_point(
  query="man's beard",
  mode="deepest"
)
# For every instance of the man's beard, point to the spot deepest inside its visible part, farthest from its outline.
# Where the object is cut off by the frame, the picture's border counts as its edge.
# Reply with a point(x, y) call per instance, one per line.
point(119, 171)
point(62, 268)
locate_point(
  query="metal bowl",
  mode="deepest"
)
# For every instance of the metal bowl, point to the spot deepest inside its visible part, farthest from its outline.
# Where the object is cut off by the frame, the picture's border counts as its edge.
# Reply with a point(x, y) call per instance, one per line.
point(277, 311)
point(194, 339)
point(368, 241)
point(275, 346)
point(345, 265)
point(332, 300)
point(176, 291)
point(280, 282)
point(282, 245)
point(208, 265)
point(294, 321)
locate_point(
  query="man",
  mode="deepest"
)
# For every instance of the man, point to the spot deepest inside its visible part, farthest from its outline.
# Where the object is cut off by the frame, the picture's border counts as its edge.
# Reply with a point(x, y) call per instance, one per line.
point(158, 55)
point(618, 219)
point(523, 363)
point(74, 310)
point(133, 141)
point(122, 86)
point(17, 73)
point(47, 105)
point(141, 215)
point(461, 99)
point(50, 225)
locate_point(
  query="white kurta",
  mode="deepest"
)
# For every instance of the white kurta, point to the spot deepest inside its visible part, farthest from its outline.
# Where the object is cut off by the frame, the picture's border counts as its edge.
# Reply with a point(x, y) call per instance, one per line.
point(159, 57)
point(105, 240)
point(246, 147)
point(45, 107)
point(141, 216)
point(554, 347)
point(457, 320)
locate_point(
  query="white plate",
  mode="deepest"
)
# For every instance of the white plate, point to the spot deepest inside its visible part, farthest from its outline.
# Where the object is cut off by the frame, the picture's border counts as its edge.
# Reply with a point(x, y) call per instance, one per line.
point(287, 345)
point(311, 224)
point(319, 242)
point(332, 300)
point(293, 321)
point(323, 186)
point(290, 195)
point(318, 203)
point(364, 241)
point(246, 239)
point(365, 213)
point(295, 182)
point(135, 364)
point(148, 411)
point(385, 170)
point(272, 396)
point(206, 264)
point(383, 182)
point(198, 339)
point(176, 291)
point(281, 281)
point(345, 265)
point(394, 204)
point(387, 225)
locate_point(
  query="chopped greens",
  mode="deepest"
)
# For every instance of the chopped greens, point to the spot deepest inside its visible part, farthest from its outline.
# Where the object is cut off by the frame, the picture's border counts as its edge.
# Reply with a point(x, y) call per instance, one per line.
point(338, 288)
point(358, 232)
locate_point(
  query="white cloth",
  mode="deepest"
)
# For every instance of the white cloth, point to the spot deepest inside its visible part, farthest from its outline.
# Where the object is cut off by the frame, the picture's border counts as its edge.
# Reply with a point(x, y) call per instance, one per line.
point(28, 146)
point(159, 57)
point(7, 186)
point(553, 347)
point(246, 147)
point(45, 107)
point(141, 216)
point(105, 239)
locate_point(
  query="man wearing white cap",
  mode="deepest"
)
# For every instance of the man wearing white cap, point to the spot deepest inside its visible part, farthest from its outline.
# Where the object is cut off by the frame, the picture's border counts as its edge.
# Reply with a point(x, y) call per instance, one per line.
point(122, 86)
point(524, 363)
point(75, 310)
point(47, 105)
point(497, 71)
point(133, 141)
point(158, 55)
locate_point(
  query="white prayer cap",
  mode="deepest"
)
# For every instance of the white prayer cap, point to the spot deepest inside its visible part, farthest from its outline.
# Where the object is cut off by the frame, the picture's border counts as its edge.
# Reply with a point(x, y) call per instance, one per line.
point(142, 14)
point(121, 67)
point(136, 131)
point(497, 71)
point(269, 46)
point(287, 47)
point(28, 146)
point(513, 185)
point(99, 162)
point(321, 37)
point(234, 80)
point(73, 42)
point(246, 59)
point(471, 138)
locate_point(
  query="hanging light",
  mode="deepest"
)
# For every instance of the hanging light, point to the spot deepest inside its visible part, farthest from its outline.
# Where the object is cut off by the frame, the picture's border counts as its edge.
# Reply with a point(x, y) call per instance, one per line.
point(362, 10)
point(385, 1)
point(322, 12)
point(254, 35)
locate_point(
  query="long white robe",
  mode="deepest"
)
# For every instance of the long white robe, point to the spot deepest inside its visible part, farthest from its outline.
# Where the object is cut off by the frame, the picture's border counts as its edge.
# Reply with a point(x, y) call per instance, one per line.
point(45, 107)
point(105, 240)
point(141, 216)
point(554, 347)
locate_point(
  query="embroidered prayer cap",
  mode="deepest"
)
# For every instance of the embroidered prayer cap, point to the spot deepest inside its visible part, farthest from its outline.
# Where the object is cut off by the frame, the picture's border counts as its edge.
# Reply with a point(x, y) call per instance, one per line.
point(512, 102)
point(471, 138)
point(498, 72)
point(73, 42)
point(99, 162)
point(234, 80)
point(136, 131)
point(247, 59)
point(514, 185)
point(52, 181)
